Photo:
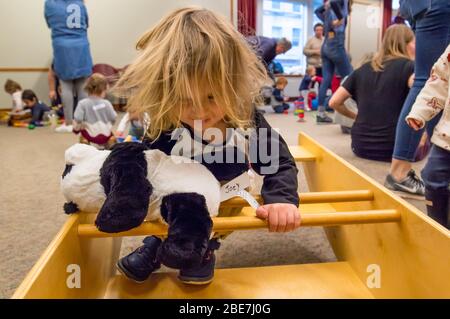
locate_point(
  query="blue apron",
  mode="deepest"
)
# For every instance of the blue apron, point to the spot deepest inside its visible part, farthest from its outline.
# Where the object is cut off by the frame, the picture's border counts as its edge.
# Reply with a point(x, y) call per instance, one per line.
point(68, 21)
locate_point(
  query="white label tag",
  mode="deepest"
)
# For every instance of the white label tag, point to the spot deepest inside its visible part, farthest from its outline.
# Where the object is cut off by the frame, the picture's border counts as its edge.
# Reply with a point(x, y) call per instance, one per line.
point(99, 106)
point(232, 188)
point(249, 198)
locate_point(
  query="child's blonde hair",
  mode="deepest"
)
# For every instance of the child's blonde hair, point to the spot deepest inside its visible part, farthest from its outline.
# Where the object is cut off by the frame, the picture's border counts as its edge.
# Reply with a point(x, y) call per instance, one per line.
point(187, 50)
point(12, 86)
point(394, 46)
point(96, 84)
point(310, 68)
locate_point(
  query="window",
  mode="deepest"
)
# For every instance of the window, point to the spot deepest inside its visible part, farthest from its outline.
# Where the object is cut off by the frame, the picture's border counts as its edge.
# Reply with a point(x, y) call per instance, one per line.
point(288, 19)
point(296, 37)
point(395, 4)
point(276, 5)
point(316, 4)
point(277, 32)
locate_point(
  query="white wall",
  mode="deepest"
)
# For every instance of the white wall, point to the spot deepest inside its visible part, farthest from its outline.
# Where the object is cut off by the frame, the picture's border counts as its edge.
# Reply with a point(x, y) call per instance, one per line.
point(364, 29)
point(115, 26)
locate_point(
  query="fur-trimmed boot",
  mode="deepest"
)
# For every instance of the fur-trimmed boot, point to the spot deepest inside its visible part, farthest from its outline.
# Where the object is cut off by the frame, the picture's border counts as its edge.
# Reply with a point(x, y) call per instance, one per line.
point(190, 227)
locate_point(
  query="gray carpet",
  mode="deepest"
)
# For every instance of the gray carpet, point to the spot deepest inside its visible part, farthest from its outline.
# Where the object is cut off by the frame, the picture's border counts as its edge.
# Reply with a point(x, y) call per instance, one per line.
point(31, 203)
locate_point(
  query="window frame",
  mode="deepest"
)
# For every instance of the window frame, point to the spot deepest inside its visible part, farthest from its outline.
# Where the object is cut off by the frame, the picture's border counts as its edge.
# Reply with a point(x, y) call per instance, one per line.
point(307, 25)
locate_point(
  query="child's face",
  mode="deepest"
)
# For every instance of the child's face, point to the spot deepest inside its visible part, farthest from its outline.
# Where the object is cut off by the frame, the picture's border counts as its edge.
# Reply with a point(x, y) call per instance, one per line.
point(29, 103)
point(281, 86)
point(312, 71)
point(210, 115)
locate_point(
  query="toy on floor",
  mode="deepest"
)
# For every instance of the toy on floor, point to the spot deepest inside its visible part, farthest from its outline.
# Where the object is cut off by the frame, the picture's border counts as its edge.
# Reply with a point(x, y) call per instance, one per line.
point(31, 126)
point(131, 183)
point(300, 109)
point(314, 104)
point(129, 138)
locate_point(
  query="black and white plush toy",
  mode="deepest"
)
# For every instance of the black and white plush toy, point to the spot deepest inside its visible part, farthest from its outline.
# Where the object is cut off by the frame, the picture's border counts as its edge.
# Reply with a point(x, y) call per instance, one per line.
point(130, 184)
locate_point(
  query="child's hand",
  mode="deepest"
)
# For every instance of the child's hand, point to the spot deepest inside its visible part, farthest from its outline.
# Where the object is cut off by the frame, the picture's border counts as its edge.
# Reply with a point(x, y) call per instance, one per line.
point(281, 217)
point(337, 23)
point(415, 123)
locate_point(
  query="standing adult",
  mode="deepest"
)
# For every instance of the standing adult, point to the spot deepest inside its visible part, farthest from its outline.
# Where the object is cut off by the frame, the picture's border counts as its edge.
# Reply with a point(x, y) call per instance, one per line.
point(68, 21)
point(313, 47)
point(334, 15)
point(431, 23)
point(379, 88)
point(268, 48)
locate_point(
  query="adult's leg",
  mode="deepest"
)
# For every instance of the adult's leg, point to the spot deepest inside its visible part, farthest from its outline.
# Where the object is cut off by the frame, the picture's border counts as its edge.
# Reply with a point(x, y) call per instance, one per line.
point(432, 37)
point(79, 88)
point(342, 63)
point(67, 92)
point(328, 71)
point(436, 176)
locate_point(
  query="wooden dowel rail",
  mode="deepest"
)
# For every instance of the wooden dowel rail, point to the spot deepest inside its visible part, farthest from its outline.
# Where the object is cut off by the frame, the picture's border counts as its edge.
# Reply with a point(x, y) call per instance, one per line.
point(313, 198)
point(225, 224)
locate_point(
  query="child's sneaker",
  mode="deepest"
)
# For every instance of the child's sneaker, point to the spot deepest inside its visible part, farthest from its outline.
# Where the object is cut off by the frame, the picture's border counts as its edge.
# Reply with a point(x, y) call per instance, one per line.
point(64, 129)
point(204, 273)
point(323, 119)
point(138, 265)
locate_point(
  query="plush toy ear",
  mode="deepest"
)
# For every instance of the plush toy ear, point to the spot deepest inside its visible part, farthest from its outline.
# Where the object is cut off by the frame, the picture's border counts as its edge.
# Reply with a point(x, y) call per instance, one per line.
point(79, 152)
point(189, 230)
point(127, 189)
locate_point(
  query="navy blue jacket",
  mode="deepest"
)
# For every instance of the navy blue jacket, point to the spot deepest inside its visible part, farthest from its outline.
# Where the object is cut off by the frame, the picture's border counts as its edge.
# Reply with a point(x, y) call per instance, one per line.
point(278, 187)
point(264, 47)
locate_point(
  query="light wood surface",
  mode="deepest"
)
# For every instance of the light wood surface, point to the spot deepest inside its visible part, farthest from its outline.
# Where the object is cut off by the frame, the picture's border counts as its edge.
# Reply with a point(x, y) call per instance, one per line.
point(379, 228)
point(301, 154)
point(225, 224)
point(96, 259)
point(328, 280)
point(312, 197)
point(413, 255)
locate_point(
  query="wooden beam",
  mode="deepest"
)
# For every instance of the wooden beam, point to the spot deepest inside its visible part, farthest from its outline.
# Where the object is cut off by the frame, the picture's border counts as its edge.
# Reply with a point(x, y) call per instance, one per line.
point(226, 224)
point(24, 70)
point(312, 198)
point(301, 154)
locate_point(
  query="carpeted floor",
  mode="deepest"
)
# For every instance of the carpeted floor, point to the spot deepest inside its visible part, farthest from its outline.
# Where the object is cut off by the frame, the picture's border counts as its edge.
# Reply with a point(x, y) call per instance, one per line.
point(31, 203)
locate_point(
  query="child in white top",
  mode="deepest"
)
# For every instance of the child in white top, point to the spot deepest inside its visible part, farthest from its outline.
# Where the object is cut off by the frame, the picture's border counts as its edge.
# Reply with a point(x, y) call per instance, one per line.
point(15, 90)
point(95, 116)
point(432, 100)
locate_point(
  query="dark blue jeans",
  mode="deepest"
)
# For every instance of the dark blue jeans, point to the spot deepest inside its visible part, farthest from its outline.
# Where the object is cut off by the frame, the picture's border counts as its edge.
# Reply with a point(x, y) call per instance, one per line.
point(432, 38)
point(281, 108)
point(436, 173)
point(334, 58)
